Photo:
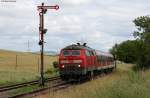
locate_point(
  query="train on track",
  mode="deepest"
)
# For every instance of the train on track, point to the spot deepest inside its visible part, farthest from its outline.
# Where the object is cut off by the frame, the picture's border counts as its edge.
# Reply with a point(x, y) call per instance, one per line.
point(80, 61)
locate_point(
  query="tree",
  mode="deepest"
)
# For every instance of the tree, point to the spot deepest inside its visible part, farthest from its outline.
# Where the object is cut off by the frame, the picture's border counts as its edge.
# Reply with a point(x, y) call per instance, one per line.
point(142, 24)
point(126, 51)
point(138, 50)
point(142, 33)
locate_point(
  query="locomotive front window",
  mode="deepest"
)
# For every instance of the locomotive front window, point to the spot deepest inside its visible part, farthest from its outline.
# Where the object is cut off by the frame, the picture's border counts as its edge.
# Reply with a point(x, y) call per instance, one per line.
point(71, 52)
point(87, 53)
point(66, 53)
point(75, 52)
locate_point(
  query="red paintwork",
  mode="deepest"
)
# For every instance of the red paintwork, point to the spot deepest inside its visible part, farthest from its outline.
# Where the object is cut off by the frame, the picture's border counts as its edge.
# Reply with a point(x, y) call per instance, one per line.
point(87, 61)
point(71, 58)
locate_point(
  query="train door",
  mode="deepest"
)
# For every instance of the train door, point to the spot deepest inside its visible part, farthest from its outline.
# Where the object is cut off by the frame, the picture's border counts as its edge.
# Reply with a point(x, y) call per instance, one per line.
point(93, 62)
point(88, 58)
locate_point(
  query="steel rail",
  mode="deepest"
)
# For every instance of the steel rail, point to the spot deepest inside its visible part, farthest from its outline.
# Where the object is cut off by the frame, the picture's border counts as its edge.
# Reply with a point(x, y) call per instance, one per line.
point(19, 85)
point(35, 92)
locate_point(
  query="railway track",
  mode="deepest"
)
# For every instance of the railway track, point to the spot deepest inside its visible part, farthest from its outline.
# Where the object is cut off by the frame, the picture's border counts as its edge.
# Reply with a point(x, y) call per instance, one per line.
point(15, 86)
point(54, 86)
point(51, 84)
point(41, 90)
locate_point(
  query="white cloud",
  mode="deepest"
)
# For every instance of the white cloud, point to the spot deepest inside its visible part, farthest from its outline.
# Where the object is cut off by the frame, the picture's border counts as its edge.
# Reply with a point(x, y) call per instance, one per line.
point(76, 2)
point(100, 23)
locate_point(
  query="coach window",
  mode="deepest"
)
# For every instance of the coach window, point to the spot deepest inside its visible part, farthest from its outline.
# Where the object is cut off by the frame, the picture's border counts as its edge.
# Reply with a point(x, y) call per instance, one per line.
point(90, 53)
point(87, 53)
point(99, 58)
point(103, 58)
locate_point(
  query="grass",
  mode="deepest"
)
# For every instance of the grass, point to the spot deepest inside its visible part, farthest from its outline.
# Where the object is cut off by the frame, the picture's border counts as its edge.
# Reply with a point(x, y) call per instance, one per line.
point(136, 85)
point(23, 90)
point(122, 83)
point(26, 69)
point(27, 89)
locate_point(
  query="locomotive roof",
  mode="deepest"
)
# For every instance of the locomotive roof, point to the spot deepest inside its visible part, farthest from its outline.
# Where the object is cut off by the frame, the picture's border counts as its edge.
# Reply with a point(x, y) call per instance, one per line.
point(76, 47)
point(103, 53)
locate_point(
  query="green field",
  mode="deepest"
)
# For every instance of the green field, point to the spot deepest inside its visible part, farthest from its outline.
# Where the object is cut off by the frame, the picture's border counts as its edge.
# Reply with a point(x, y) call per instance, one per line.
point(122, 83)
point(25, 67)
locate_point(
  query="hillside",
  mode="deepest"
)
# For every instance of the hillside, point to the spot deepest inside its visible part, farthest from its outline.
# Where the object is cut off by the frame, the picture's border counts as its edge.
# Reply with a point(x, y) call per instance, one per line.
point(51, 53)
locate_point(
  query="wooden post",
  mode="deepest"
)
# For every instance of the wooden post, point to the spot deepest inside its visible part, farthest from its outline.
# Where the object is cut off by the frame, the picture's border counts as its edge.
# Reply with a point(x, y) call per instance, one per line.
point(38, 64)
point(16, 62)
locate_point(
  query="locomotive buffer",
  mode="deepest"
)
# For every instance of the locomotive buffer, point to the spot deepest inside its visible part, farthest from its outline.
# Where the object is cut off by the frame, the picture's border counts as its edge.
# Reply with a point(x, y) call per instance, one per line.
point(42, 10)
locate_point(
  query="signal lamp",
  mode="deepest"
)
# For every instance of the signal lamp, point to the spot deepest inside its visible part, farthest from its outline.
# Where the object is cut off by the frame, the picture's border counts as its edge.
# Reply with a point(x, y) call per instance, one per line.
point(40, 42)
point(44, 31)
point(79, 65)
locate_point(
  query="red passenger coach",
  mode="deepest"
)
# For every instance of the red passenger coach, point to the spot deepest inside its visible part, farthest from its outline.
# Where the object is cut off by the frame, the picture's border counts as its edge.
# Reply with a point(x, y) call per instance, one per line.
point(80, 61)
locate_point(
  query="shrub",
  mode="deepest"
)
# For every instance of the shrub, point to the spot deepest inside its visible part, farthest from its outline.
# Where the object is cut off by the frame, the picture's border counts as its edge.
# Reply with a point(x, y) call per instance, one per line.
point(55, 64)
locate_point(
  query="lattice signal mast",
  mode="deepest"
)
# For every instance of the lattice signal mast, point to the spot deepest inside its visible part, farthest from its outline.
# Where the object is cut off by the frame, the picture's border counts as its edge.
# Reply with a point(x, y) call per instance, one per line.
point(42, 10)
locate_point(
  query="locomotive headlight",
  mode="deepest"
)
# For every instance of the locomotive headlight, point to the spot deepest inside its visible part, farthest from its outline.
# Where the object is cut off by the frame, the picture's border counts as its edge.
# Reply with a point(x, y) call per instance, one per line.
point(63, 66)
point(79, 65)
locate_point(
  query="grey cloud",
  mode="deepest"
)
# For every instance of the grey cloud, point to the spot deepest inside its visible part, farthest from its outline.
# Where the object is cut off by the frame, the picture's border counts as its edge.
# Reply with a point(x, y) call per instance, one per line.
point(100, 23)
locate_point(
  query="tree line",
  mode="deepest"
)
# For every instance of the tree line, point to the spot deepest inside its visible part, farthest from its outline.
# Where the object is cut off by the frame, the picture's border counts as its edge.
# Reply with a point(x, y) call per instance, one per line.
point(136, 51)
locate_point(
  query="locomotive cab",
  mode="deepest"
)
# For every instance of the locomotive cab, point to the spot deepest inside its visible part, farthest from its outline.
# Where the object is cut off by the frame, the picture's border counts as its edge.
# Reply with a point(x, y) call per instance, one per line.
point(70, 58)
point(72, 62)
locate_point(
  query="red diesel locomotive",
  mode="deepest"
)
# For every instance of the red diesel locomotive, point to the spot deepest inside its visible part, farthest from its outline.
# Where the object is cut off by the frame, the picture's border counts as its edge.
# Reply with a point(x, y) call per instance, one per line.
point(78, 61)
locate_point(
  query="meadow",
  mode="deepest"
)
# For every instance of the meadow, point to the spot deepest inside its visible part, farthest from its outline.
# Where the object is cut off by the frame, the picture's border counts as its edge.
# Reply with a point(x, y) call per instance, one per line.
point(22, 66)
point(122, 83)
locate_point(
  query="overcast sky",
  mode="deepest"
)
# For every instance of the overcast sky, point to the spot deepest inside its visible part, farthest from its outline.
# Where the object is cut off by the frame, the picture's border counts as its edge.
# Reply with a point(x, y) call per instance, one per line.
point(100, 23)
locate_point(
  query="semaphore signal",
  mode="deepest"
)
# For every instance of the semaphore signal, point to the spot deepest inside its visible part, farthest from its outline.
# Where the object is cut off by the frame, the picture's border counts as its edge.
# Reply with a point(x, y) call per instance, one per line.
point(42, 10)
